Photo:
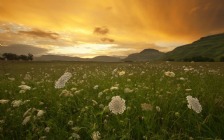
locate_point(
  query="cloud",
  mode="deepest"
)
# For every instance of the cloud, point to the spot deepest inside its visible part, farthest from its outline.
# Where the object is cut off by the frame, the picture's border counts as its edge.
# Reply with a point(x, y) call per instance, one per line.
point(105, 39)
point(22, 49)
point(101, 30)
point(40, 33)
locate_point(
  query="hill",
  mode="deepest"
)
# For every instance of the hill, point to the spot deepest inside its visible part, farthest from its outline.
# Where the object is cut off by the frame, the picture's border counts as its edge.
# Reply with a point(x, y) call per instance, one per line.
point(106, 59)
point(145, 55)
point(210, 46)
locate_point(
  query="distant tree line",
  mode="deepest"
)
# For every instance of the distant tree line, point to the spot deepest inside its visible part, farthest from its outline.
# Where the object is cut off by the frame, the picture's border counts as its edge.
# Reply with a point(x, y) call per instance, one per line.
point(12, 56)
point(199, 59)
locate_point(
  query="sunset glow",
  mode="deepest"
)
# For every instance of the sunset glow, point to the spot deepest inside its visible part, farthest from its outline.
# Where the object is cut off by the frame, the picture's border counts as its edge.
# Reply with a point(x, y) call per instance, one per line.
point(87, 28)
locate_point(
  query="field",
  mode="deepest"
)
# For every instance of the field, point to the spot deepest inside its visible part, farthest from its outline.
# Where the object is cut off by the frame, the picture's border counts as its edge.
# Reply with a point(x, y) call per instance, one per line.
point(155, 106)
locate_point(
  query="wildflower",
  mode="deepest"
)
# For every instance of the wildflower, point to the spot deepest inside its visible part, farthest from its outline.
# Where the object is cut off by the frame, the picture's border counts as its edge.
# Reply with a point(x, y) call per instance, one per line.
point(194, 104)
point(11, 79)
point(117, 105)
point(76, 129)
point(40, 113)
point(182, 78)
point(158, 108)
point(41, 103)
point(24, 87)
point(114, 88)
point(63, 80)
point(96, 87)
point(105, 90)
point(121, 73)
point(70, 122)
point(94, 102)
point(100, 94)
point(114, 71)
point(96, 135)
point(146, 107)
point(47, 129)
point(66, 93)
point(27, 112)
point(188, 89)
point(75, 136)
point(43, 137)
point(78, 91)
point(17, 103)
point(170, 74)
point(27, 77)
point(3, 101)
point(26, 120)
point(73, 89)
point(22, 91)
point(128, 90)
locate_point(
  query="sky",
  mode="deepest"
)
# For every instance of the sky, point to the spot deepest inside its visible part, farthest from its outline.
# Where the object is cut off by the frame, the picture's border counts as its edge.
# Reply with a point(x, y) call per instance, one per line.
point(88, 28)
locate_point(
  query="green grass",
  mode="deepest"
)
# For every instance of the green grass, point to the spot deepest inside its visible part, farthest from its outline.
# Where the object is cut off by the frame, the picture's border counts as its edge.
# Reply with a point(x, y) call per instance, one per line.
point(151, 86)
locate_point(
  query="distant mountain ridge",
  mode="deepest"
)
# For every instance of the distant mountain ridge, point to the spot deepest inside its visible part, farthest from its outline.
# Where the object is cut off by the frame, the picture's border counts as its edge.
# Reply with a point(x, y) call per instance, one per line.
point(69, 58)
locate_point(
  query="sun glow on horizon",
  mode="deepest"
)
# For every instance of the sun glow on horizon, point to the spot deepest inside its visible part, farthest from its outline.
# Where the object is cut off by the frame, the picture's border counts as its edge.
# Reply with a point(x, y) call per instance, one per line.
point(85, 50)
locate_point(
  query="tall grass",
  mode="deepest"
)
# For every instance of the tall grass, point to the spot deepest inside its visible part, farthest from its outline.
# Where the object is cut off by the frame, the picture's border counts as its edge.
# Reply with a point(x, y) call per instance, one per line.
point(148, 82)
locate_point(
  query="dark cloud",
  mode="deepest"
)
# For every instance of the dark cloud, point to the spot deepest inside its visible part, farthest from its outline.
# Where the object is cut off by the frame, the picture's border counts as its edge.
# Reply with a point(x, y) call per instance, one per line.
point(40, 33)
point(22, 49)
point(105, 39)
point(101, 30)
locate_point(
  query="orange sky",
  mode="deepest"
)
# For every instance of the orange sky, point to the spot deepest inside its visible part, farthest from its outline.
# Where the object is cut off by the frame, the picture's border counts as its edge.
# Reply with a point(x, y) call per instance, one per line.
point(87, 28)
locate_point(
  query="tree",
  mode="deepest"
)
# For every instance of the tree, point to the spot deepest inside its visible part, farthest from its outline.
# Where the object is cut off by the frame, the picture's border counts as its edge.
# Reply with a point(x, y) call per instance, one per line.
point(30, 57)
point(199, 59)
point(23, 57)
point(10, 56)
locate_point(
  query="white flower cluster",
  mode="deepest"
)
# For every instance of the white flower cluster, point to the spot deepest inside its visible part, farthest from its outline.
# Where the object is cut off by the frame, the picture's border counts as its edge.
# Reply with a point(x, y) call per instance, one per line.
point(60, 83)
point(96, 135)
point(194, 104)
point(169, 74)
point(24, 88)
point(4, 101)
point(29, 114)
point(117, 105)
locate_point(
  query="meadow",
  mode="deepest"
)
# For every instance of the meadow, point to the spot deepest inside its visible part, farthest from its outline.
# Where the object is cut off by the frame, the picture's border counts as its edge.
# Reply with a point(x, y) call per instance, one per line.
point(153, 96)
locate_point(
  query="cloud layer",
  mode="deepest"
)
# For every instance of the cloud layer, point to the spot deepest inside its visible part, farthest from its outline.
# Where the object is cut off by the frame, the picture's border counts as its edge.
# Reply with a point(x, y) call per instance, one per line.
point(69, 23)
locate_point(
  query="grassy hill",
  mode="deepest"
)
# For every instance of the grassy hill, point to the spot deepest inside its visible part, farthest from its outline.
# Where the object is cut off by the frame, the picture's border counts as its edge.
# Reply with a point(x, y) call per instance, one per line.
point(210, 46)
point(145, 55)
